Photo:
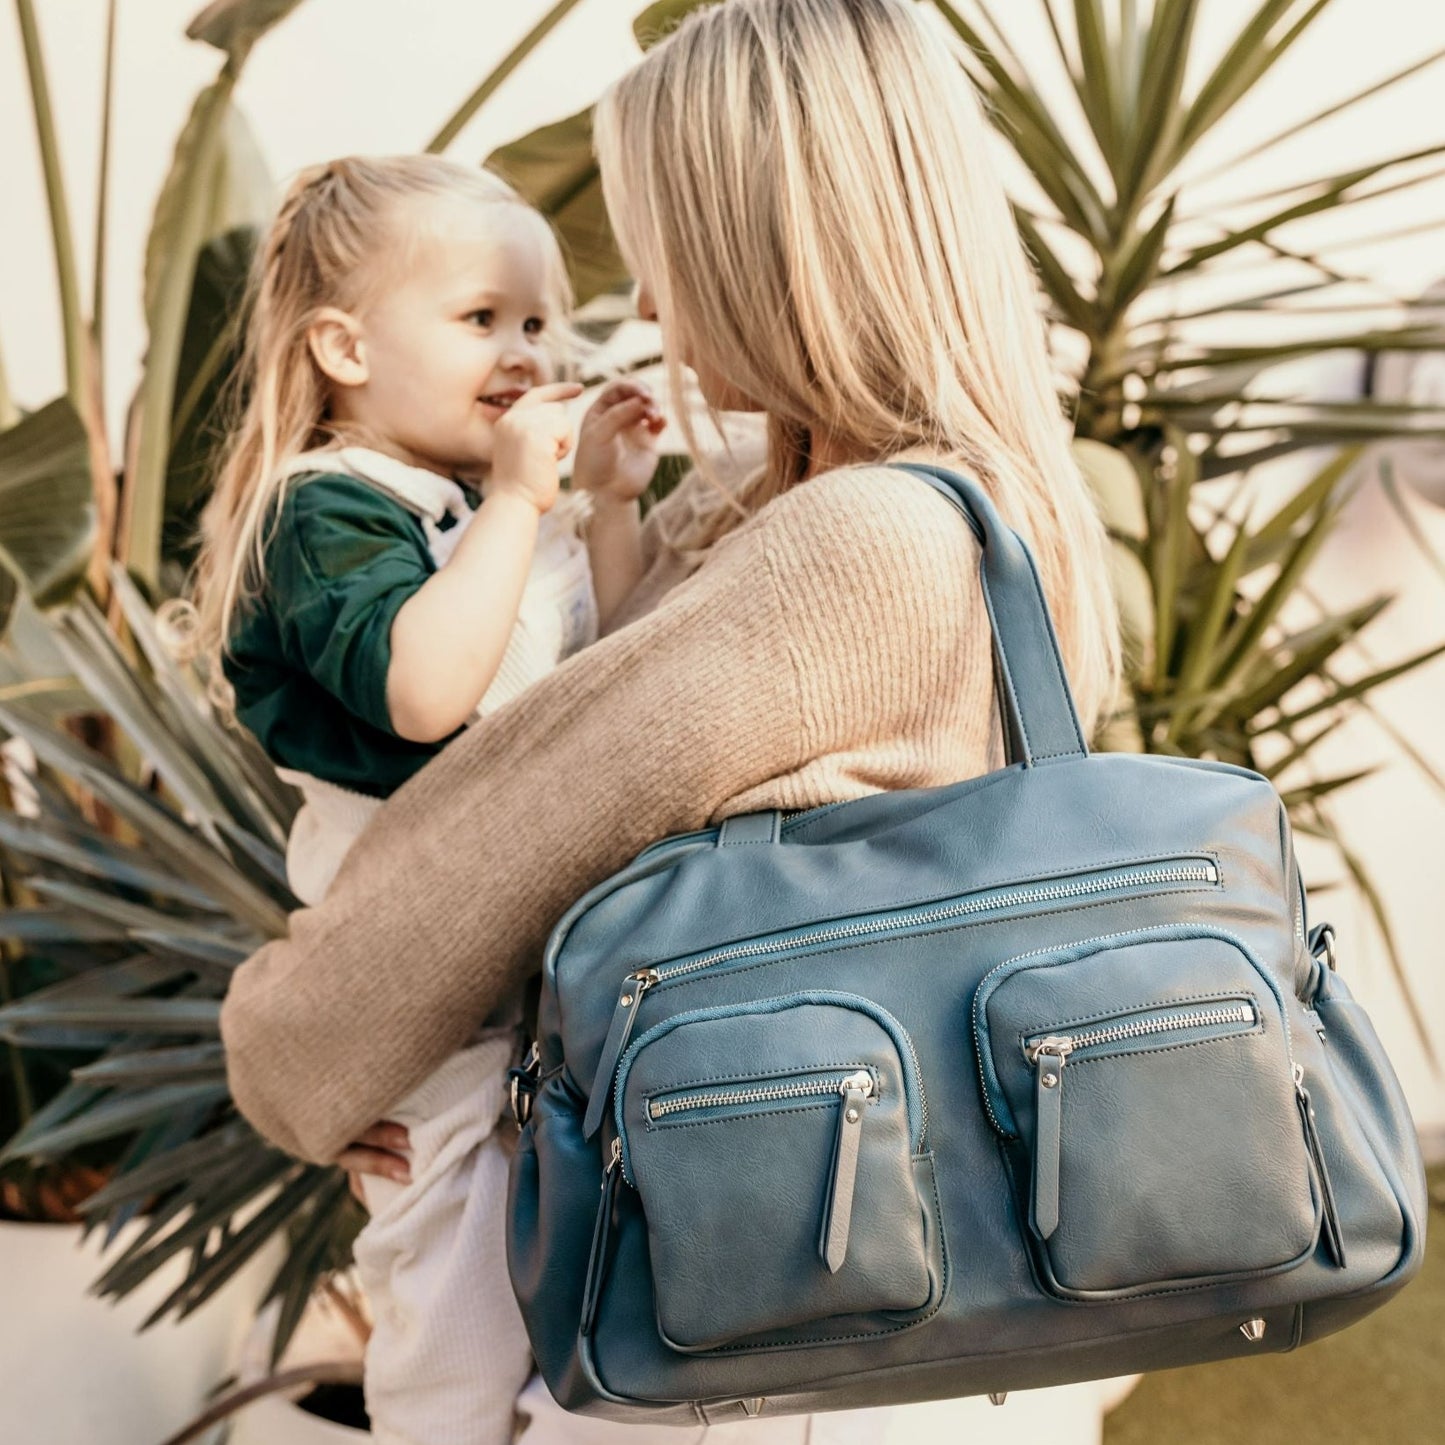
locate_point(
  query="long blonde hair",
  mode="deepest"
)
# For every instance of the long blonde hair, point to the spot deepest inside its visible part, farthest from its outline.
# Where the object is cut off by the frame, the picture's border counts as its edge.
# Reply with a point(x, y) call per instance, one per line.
point(807, 187)
point(336, 224)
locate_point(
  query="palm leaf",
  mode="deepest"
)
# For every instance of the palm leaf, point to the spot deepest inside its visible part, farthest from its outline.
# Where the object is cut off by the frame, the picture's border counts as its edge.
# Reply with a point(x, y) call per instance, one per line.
point(114, 1115)
point(1245, 63)
point(46, 504)
point(474, 102)
point(555, 171)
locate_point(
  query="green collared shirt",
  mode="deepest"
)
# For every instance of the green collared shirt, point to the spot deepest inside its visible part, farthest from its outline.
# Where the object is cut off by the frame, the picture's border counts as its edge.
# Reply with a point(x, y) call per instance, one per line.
point(308, 660)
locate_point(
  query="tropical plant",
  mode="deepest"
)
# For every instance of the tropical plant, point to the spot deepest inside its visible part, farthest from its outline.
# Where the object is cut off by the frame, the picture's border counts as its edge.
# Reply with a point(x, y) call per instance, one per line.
point(145, 860)
point(159, 853)
point(1235, 657)
point(156, 904)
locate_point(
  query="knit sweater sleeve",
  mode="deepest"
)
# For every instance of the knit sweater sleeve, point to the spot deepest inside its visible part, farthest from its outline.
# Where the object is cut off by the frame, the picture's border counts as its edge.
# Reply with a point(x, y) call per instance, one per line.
point(796, 639)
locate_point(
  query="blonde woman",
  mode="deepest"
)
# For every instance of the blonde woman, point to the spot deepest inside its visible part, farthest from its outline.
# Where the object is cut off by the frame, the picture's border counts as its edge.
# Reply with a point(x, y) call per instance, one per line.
point(803, 191)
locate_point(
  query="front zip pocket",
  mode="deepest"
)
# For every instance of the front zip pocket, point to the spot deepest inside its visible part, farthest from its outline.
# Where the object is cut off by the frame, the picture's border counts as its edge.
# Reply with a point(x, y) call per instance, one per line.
point(1006, 900)
point(1051, 1052)
point(777, 1152)
point(849, 1094)
point(1153, 1113)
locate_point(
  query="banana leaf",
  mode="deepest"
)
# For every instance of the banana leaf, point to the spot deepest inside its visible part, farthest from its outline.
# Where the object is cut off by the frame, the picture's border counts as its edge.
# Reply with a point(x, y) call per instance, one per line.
point(47, 509)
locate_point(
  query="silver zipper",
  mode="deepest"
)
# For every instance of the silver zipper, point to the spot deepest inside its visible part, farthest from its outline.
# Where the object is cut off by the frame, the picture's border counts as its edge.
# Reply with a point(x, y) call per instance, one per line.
point(1183, 873)
point(861, 1081)
point(1241, 1013)
point(636, 984)
point(1130, 934)
point(1051, 1053)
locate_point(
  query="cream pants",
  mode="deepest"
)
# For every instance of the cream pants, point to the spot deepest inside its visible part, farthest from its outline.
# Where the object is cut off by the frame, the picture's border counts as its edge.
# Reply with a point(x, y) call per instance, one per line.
point(448, 1350)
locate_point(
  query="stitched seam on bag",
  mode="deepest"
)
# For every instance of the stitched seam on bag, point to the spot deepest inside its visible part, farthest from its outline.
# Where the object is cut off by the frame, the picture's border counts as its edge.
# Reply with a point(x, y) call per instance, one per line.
point(1172, 1002)
point(1213, 1282)
point(943, 1283)
point(956, 927)
point(762, 1078)
point(919, 899)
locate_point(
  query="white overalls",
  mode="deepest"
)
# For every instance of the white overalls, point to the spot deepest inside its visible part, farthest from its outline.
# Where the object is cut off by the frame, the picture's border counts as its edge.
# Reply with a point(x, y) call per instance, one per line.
point(448, 1351)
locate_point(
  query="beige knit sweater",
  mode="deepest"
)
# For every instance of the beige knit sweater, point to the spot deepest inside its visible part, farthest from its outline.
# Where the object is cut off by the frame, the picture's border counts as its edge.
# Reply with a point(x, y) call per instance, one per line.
point(832, 646)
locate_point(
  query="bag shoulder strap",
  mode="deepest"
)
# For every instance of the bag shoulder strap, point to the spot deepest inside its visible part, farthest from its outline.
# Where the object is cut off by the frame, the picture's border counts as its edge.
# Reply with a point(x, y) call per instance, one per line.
point(1040, 721)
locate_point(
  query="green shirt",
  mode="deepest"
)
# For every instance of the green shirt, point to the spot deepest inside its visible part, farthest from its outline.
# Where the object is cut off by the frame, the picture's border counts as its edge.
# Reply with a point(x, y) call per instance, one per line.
point(308, 660)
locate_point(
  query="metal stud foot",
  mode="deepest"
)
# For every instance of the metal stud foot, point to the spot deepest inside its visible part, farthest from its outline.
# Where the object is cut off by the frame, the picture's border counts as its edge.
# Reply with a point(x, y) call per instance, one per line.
point(997, 1397)
point(1252, 1330)
point(754, 1406)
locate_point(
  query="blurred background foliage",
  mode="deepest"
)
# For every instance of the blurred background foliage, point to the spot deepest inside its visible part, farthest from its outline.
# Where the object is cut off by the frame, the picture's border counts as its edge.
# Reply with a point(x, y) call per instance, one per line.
point(141, 843)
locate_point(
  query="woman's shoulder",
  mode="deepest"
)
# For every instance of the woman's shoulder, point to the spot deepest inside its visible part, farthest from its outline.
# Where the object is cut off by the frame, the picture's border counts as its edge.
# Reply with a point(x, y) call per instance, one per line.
point(874, 512)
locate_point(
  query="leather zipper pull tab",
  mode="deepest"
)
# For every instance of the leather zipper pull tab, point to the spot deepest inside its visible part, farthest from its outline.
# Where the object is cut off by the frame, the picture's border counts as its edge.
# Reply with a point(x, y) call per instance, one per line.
point(1047, 1057)
point(601, 1235)
point(838, 1205)
point(629, 999)
point(1330, 1222)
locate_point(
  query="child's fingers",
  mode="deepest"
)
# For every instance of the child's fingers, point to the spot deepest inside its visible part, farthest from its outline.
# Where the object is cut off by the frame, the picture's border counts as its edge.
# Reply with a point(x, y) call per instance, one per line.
point(552, 391)
point(624, 414)
point(616, 392)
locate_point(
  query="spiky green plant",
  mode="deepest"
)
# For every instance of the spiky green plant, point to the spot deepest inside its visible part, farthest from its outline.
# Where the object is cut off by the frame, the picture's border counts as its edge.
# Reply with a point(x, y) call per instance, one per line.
point(162, 856)
point(1239, 660)
point(165, 898)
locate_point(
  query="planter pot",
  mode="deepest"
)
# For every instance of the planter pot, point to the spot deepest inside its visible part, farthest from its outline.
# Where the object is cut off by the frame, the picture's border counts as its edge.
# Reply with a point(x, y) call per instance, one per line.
point(73, 1368)
point(277, 1419)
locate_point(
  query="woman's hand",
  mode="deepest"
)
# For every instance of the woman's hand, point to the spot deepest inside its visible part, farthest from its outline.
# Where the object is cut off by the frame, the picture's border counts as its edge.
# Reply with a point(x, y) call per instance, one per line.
point(381, 1150)
point(617, 443)
point(528, 442)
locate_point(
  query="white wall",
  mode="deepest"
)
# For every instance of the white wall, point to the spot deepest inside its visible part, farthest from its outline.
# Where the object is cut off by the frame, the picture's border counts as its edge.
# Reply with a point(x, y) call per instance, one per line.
point(341, 75)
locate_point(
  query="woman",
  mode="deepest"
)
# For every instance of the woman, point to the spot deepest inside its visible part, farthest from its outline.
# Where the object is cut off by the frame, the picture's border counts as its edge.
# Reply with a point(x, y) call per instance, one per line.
point(804, 192)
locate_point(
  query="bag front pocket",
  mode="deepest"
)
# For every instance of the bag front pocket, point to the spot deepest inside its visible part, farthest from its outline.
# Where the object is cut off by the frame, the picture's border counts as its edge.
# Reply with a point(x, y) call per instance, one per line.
point(1155, 1119)
point(776, 1148)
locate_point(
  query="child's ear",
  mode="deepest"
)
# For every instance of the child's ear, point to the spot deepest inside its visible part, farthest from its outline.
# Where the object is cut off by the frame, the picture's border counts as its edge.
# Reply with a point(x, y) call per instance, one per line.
point(336, 345)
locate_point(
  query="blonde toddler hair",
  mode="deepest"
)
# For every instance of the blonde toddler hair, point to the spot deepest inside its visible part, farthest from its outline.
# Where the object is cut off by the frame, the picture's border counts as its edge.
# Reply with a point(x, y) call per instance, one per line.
point(340, 232)
point(806, 185)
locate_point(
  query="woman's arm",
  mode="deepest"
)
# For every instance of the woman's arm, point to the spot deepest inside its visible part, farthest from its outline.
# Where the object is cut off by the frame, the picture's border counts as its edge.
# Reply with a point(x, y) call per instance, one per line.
point(828, 649)
point(444, 904)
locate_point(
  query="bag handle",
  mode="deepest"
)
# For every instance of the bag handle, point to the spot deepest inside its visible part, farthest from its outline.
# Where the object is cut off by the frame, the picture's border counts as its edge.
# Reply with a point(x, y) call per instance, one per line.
point(1040, 721)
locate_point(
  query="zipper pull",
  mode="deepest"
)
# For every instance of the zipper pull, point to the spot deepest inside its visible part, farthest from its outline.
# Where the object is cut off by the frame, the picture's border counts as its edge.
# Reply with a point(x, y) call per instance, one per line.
point(618, 1032)
point(856, 1090)
point(1048, 1056)
point(1330, 1226)
point(601, 1234)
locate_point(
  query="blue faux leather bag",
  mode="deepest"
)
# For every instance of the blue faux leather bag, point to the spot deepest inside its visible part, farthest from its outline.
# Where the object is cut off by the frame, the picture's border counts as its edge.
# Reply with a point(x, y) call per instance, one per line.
point(1035, 1078)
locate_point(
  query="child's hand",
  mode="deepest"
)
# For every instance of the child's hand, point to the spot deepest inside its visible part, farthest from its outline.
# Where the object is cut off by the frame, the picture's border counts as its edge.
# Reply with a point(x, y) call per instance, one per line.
point(617, 443)
point(529, 441)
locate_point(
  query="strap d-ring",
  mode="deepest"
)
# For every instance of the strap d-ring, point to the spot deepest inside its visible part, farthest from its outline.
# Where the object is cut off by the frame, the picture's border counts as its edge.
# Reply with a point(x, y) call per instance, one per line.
point(522, 1084)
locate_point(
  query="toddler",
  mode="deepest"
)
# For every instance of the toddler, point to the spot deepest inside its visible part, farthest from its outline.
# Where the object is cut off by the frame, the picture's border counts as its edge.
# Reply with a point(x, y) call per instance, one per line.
point(386, 556)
